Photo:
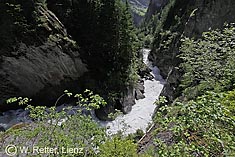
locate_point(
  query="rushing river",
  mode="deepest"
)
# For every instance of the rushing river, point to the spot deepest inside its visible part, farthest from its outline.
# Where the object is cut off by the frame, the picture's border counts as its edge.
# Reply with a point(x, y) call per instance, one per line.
point(141, 114)
point(139, 118)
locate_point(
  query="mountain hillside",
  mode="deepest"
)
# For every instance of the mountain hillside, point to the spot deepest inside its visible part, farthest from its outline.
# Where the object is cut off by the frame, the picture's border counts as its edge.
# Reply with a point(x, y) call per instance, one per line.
point(155, 7)
point(139, 9)
point(189, 18)
point(193, 47)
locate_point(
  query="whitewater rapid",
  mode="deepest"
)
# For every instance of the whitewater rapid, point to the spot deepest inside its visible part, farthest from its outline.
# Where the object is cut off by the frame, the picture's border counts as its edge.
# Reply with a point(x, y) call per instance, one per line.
point(141, 114)
point(139, 117)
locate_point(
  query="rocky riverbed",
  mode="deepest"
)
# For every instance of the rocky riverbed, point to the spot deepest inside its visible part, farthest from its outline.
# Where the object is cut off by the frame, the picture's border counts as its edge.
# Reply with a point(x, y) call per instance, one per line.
point(141, 114)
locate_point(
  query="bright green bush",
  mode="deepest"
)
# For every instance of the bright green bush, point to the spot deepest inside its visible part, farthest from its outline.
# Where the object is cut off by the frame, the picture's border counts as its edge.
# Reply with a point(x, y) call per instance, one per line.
point(229, 103)
point(54, 129)
point(202, 123)
point(199, 127)
point(117, 147)
point(209, 62)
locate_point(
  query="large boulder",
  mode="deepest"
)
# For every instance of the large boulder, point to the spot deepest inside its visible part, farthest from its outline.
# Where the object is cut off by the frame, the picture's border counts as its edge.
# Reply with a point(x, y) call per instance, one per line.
point(128, 100)
point(144, 72)
point(123, 103)
point(139, 90)
point(38, 58)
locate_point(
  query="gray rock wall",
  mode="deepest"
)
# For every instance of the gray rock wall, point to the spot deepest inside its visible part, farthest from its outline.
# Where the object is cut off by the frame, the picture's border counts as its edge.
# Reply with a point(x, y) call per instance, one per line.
point(154, 7)
point(209, 14)
point(38, 59)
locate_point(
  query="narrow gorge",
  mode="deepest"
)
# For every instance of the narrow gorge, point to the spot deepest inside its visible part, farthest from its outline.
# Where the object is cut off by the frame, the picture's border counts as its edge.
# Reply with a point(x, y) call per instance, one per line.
point(140, 117)
point(124, 78)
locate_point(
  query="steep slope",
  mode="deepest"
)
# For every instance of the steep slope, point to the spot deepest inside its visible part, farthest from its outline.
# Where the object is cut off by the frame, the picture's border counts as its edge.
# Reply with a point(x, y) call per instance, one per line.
point(181, 18)
point(188, 18)
point(48, 60)
point(104, 30)
point(154, 7)
point(139, 8)
point(38, 59)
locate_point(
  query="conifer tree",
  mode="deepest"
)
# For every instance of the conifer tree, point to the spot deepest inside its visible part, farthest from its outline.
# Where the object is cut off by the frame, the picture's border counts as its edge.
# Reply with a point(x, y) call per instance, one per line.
point(126, 41)
point(105, 32)
point(116, 38)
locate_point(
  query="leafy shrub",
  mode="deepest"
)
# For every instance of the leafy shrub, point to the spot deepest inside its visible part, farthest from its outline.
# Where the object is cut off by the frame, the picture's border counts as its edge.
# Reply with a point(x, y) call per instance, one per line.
point(118, 147)
point(52, 129)
point(76, 132)
point(199, 127)
point(229, 103)
point(209, 62)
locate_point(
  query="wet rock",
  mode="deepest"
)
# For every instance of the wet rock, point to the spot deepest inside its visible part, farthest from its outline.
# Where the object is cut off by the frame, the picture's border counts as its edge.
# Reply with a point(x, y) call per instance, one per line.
point(139, 90)
point(103, 112)
point(139, 95)
point(144, 72)
point(124, 103)
point(2, 129)
point(128, 100)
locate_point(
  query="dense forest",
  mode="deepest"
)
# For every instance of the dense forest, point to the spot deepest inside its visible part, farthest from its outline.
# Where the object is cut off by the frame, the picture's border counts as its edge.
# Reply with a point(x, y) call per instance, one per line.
point(72, 70)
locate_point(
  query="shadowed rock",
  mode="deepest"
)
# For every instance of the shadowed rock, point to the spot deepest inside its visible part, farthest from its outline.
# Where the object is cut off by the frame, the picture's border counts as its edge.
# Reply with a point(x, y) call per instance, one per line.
point(38, 58)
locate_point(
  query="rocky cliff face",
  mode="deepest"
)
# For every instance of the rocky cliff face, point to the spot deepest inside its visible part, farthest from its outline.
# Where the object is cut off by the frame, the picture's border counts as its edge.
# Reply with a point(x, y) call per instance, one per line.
point(188, 18)
point(82, 25)
point(209, 14)
point(139, 8)
point(38, 58)
point(154, 7)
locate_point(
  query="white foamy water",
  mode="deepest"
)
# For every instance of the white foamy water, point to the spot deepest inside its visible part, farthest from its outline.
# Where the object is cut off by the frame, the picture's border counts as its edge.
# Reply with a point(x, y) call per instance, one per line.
point(141, 114)
point(139, 118)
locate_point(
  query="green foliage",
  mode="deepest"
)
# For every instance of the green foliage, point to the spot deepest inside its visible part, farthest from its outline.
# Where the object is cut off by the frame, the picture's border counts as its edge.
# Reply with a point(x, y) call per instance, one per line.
point(16, 25)
point(54, 129)
point(136, 136)
point(202, 123)
point(104, 30)
point(145, 37)
point(203, 126)
point(199, 127)
point(208, 62)
point(229, 103)
point(138, 10)
point(125, 63)
point(161, 101)
point(118, 147)
point(160, 19)
point(27, 22)
point(155, 24)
